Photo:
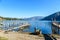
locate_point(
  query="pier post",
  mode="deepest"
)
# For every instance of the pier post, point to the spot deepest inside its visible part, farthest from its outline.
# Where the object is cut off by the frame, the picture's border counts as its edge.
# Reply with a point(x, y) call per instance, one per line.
point(58, 30)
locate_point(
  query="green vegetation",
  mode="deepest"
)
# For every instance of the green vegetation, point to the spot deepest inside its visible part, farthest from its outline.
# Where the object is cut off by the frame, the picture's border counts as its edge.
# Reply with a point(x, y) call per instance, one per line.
point(11, 18)
point(3, 38)
point(7, 18)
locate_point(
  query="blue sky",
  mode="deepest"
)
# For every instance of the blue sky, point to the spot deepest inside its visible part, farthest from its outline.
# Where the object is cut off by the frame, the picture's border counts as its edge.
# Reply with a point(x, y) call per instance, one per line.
point(28, 8)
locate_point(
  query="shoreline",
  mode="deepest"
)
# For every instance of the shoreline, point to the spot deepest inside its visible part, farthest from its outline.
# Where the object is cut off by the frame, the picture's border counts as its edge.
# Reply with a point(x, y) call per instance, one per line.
point(21, 36)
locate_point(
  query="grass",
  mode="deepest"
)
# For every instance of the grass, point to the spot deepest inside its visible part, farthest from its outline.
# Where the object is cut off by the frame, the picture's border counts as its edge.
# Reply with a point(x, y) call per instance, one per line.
point(3, 38)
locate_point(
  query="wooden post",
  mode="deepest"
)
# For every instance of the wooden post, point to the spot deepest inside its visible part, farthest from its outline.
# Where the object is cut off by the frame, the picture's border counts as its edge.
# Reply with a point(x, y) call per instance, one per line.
point(58, 30)
point(34, 30)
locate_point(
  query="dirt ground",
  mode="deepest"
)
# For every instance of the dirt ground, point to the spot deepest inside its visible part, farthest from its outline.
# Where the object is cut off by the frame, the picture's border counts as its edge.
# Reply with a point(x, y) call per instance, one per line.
point(20, 36)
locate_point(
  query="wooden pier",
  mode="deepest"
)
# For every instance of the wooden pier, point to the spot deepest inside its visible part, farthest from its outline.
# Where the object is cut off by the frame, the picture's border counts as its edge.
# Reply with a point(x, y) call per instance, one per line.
point(20, 28)
point(56, 25)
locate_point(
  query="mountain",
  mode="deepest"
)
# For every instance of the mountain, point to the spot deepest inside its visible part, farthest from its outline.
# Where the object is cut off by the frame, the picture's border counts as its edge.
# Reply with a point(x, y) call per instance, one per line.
point(31, 18)
point(55, 16)
point(34, 18)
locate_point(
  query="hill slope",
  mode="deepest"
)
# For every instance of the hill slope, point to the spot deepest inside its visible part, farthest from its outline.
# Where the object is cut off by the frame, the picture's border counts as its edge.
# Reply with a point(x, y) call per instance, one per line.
point(55, 16)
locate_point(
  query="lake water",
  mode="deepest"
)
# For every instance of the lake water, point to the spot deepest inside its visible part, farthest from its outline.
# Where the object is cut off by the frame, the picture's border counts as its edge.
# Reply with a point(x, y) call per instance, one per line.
point(44, 26)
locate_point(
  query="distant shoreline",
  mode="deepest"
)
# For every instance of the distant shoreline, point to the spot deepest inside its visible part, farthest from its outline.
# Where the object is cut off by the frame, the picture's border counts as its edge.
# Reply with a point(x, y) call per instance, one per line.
point(8, 18)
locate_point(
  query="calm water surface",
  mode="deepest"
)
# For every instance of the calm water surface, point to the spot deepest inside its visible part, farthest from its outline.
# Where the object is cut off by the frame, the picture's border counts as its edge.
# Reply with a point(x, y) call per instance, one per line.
point(44, 26)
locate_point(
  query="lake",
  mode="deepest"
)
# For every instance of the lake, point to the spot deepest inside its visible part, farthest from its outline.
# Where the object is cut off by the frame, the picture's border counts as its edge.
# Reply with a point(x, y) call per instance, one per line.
point(44, 26)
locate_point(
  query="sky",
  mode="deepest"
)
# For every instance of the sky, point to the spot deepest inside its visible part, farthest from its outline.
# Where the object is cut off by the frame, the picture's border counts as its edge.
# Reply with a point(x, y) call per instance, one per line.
point(28, 8)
